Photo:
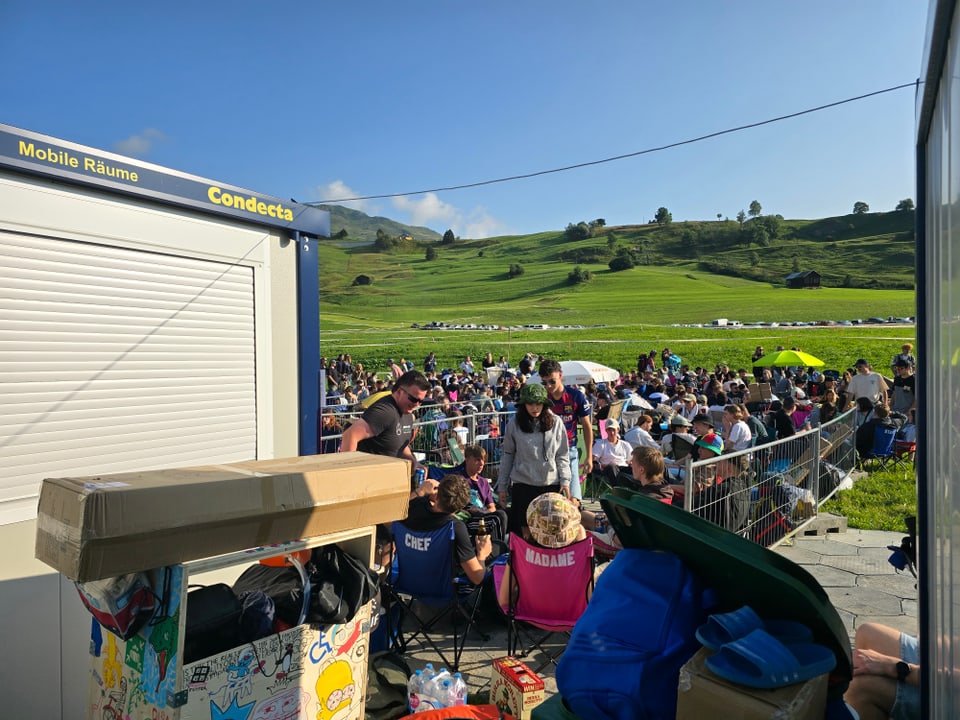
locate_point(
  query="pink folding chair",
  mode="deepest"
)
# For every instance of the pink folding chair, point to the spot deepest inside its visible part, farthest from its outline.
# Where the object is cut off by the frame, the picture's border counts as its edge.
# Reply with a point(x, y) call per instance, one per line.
point(549, 590)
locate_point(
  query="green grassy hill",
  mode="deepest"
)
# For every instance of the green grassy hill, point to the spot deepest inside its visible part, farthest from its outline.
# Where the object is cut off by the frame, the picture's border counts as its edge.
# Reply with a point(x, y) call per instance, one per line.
point(688, 272)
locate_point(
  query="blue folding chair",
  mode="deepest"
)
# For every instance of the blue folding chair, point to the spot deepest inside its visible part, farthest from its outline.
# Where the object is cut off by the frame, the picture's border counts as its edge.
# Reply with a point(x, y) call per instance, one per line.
point(425, 570)
point(884, 439)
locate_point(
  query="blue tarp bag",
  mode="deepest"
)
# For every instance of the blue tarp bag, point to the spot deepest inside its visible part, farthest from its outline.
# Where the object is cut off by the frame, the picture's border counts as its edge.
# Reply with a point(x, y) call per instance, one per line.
point(624, 656)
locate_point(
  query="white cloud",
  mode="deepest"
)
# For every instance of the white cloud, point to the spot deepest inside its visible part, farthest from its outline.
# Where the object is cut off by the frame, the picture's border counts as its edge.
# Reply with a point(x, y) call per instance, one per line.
point(140, 145)
point(430, 211)
point(481, 224)
point(339, 189)
point(427, 210)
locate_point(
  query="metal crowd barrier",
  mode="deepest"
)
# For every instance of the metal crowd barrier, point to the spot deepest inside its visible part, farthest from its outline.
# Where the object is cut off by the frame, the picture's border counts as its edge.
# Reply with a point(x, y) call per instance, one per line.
point(776, 488)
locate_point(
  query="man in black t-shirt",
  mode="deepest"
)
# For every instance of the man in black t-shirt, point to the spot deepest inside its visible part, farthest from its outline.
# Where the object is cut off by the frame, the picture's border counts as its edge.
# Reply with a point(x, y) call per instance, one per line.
point(434, 510)
point(386, 427)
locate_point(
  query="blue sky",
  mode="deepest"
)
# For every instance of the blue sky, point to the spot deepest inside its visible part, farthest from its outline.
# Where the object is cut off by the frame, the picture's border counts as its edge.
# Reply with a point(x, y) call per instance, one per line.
point(318, 101)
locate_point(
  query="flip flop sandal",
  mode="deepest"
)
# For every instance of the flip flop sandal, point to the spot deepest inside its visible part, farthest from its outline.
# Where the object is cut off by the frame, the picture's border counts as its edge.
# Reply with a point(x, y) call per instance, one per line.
point(759, 660)
point(723, 628)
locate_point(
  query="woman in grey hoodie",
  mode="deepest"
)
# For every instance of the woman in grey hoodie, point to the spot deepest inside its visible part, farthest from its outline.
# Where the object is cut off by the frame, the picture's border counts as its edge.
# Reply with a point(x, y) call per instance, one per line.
point(534, 456)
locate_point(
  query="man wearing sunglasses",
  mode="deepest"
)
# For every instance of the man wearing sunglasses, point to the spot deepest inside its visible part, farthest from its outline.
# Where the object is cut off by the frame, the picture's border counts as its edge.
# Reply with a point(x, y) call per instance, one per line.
point(386, 427)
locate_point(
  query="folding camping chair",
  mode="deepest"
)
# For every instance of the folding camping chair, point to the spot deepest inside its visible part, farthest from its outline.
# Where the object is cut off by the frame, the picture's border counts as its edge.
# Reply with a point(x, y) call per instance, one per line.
point(882, 451)
point(426, 571)
point(549, 590)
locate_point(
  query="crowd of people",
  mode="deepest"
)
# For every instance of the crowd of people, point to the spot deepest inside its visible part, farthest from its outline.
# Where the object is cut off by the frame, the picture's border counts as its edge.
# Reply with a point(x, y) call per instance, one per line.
point(536, 492)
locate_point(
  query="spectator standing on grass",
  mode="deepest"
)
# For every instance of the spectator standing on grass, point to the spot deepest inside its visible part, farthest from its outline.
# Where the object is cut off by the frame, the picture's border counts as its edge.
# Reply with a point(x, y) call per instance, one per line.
point(571, 406)
point(904, 387)
point(867, 383)
point(430, 363)
point(905, 355)
point(534, 457)
point(467, 366)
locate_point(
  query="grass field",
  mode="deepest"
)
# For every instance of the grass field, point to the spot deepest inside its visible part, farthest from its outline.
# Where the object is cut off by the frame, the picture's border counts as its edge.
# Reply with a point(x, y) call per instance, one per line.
point(615, 345)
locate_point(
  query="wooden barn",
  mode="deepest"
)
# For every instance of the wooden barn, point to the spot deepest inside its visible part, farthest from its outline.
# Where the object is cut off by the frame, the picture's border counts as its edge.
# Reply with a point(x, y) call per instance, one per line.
point(804, 279)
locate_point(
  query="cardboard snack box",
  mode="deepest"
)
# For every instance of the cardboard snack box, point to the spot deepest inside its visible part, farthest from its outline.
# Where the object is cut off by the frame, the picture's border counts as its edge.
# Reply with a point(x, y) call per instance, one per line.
point(96, 527)
point(515, 687)
point(701, 693)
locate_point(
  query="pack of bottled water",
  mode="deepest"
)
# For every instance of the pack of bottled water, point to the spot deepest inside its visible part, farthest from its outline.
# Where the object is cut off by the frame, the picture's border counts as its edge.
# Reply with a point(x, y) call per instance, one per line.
point(430, 690)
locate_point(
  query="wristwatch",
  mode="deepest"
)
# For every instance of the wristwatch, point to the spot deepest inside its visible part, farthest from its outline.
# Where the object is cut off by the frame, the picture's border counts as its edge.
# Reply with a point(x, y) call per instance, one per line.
point(903, 669)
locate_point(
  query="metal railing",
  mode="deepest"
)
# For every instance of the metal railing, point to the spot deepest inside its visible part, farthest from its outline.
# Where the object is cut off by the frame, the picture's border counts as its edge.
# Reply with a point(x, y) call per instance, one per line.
point(775, 488)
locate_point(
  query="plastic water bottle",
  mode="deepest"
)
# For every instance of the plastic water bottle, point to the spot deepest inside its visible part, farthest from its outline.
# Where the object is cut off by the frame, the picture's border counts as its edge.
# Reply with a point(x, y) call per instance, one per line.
point(413, 690)
point(444, 693)
point(458, 691)
point(431, 694)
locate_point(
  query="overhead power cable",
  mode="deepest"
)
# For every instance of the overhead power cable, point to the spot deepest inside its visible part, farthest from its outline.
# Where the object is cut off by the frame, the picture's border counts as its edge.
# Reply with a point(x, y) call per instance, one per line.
point(638, 153)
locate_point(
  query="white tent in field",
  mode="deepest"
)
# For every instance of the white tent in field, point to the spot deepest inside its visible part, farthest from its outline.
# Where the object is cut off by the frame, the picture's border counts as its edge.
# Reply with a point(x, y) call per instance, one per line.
point(580, 372)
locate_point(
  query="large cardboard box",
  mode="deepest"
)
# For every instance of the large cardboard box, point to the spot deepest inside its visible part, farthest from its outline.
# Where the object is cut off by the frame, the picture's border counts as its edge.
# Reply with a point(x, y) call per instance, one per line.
point(515, 687)
point(91, 528)
point(701, 693)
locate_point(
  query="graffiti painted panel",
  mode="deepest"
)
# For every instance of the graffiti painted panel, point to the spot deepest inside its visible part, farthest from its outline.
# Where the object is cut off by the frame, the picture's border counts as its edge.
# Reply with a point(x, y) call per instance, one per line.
point(135, 679)
point(308, 672)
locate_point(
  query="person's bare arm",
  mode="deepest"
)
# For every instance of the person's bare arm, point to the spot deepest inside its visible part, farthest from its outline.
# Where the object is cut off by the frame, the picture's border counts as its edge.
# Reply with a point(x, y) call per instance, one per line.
point(474, 568)
point(359, 430)
point(587, 426)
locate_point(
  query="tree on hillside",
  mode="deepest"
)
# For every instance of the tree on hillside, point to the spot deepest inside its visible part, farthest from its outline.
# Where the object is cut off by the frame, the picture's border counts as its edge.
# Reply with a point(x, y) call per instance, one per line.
point(754, 258)
point(612, 241)
point(516, 270)
point(663, 216)
point(860, 207)
point(905, 205)
point(755, 208)
point(431, 253)
point(796, 263)
point(772, 224)
point(759, 234)
point(580, 231)
point(623, 261)
point(598, 223)
point(578, 275)
point(741, 218)
point(448, 237)
point(719, 217)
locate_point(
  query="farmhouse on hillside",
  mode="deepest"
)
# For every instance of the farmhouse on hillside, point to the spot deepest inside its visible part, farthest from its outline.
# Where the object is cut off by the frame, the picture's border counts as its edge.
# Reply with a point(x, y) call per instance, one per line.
point(804, 279)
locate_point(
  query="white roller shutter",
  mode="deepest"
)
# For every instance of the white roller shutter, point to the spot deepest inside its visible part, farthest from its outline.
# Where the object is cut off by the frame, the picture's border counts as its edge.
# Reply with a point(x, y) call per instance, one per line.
point(114, 359)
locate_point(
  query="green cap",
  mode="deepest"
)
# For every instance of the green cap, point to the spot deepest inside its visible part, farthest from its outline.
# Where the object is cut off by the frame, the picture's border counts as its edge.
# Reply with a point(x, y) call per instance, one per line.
point(533, 394)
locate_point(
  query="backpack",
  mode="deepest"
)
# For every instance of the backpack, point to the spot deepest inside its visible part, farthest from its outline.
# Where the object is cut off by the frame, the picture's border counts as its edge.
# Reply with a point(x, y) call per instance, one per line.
point(625, 653)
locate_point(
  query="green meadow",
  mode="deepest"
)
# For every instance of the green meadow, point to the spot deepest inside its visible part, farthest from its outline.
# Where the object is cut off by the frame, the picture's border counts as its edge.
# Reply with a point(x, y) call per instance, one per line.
point(866, 263)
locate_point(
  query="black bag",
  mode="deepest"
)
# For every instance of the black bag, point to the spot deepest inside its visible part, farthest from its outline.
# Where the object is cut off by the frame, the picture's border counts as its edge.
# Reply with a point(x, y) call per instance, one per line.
point(281, 584)
point(339, 586)
point(213, 622)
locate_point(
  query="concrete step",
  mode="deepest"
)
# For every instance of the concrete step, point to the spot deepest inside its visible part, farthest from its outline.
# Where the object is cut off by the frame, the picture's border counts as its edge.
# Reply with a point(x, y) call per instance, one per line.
point(825, 523)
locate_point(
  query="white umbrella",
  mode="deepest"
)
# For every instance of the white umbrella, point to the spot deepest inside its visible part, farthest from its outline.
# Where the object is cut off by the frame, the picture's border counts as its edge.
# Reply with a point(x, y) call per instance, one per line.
point(580, 372)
